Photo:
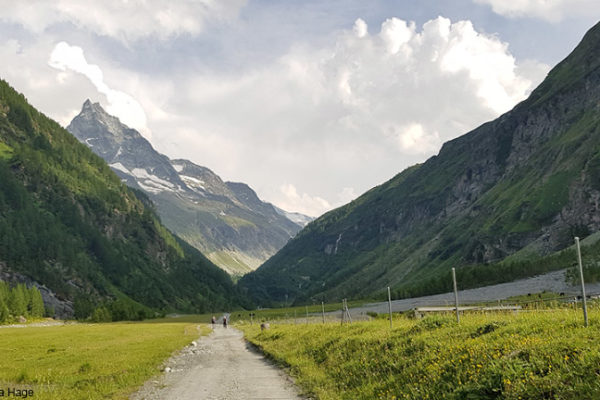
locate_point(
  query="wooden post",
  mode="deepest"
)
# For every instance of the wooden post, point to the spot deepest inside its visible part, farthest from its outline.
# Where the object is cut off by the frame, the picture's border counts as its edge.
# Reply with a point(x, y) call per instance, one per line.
point(455, 295)
point(343, 311)
point(390, 305)
point(347, 311)
point(584, 301)
point(306, 308)
point(323, 311)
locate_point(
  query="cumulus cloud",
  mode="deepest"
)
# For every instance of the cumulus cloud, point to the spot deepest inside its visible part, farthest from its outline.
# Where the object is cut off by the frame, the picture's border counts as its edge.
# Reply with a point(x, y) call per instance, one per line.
point(67, 58)
point(316, 127)
point(125, 20)
point(354, 113)
point(290, 199)
point(554, 11)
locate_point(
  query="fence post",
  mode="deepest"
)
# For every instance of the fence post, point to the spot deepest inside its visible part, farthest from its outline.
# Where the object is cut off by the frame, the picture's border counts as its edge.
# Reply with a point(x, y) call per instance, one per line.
point(306, 308)
point(347, 311)
point(390, 306)
point(585, 314)
point(343, 311)
point(323, 311)
point(455, 295)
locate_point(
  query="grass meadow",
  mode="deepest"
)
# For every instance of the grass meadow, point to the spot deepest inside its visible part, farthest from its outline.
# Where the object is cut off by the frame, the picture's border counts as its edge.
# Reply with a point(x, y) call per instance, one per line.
point(90, 361)
point(297, 313)
point(529, 355)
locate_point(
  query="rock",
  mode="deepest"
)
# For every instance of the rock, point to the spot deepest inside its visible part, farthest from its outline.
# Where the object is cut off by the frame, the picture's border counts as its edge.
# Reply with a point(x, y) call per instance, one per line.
point(167, 369)
point(264, 326)
point(22, 319)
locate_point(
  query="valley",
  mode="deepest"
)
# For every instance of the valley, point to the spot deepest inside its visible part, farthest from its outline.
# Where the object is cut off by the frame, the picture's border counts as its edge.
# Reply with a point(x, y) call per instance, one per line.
point(443, 155)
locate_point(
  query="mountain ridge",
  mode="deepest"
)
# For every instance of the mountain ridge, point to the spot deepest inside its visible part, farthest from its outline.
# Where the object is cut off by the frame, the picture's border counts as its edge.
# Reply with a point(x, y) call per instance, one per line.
point(526, 182)
point(225, 220)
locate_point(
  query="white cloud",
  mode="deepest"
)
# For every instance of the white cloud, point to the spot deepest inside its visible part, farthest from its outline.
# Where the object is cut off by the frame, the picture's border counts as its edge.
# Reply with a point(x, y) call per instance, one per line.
point(360, 28)
point(412, 137)
point(322, 122)
point(71, 58)
point(351, 114)
point(303, 203)
point(550, 10)
point(125, 20)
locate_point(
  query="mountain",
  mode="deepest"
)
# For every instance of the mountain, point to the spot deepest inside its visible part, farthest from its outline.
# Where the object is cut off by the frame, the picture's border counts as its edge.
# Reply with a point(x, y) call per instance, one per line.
point(71, 227)
point(510, 191)
point(225, 220)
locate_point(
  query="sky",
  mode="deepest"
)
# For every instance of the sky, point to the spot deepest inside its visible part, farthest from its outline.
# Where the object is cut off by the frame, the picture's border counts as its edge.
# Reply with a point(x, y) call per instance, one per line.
point(310, 102)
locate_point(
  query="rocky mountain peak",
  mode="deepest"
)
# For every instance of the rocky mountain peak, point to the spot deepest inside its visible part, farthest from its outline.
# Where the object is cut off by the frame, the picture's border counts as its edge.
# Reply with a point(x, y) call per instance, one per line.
point(226, 221)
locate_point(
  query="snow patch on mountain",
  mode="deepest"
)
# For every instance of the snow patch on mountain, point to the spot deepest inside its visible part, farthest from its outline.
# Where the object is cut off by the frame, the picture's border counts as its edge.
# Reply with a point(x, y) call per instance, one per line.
point(190, 180)
point(120, 167)
point(151, 183)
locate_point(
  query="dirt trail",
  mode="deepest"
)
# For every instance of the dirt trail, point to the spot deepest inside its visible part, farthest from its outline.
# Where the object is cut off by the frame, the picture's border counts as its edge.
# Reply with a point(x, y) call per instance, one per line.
point(220, 366)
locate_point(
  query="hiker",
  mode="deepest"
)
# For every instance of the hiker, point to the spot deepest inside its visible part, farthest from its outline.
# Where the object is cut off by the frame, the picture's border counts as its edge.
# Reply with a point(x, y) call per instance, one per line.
point(224, 321)
point(212, 321)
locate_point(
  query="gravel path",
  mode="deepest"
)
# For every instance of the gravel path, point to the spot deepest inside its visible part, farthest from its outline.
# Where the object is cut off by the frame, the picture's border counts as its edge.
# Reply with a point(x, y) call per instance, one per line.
point(220, 366)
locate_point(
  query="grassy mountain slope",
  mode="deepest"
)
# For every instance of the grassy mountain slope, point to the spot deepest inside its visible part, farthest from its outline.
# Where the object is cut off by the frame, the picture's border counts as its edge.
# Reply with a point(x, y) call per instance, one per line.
point(528, 181)
point(67, 221)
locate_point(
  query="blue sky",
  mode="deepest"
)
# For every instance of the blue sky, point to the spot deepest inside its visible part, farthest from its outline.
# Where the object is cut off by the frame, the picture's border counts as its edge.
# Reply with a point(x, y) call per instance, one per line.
point(310, 102)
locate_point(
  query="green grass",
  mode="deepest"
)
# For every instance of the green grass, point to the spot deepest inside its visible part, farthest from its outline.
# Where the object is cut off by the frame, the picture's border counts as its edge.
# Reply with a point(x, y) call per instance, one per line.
point(288, 313)
point(90, 361)
point(530, 355)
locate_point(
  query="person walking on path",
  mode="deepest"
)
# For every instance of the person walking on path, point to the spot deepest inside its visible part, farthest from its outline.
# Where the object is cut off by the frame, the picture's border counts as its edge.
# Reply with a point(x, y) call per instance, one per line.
point(224, 321)
point(212, 321)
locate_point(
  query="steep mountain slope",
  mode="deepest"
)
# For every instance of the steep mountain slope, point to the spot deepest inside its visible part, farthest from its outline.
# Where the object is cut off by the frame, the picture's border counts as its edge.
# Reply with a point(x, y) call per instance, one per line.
point(225, 220)
point(67, 222)
point(520, 186)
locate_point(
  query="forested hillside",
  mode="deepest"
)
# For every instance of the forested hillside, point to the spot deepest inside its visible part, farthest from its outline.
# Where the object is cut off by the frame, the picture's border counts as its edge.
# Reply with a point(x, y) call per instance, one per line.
point(67, 222)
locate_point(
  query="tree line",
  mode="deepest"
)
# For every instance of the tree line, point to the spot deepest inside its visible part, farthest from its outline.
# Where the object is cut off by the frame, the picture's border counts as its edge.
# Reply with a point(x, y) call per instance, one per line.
point(20, 301)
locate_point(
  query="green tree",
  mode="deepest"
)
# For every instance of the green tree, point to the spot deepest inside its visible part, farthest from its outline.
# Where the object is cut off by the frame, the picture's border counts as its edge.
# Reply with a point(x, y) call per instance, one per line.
point(17, 302)
point(101, 314)
point(36, 303)
point(4, 314)
point(4, 292)
point(83, 307)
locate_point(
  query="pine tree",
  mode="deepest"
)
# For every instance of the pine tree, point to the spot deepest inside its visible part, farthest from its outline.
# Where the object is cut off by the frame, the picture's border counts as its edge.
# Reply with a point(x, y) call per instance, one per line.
point(4, 292)
point(36, 303)
point(17, 301)
point(4, 314)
